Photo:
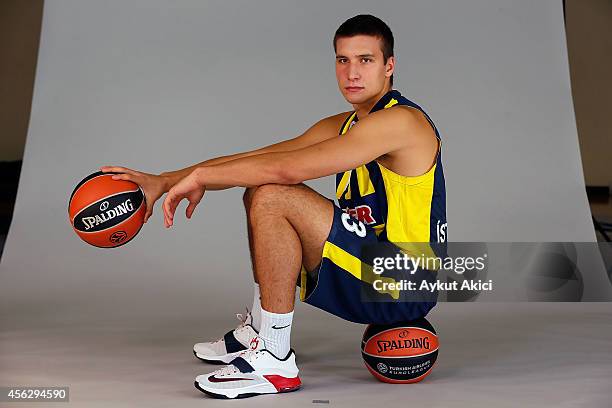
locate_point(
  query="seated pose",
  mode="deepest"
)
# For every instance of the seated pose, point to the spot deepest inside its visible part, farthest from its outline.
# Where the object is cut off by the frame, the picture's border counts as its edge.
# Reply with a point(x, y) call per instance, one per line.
point(390, 187)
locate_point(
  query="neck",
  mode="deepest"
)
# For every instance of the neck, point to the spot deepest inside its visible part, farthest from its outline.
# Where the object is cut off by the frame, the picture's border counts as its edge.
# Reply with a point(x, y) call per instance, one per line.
point(363, 109)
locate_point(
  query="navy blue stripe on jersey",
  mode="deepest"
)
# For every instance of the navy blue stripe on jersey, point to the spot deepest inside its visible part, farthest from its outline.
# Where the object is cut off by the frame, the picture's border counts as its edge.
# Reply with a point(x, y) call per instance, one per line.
point(437, 215)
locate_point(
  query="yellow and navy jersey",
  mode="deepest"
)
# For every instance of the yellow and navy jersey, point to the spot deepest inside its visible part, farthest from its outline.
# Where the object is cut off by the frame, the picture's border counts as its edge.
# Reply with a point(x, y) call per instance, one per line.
point(399, 208)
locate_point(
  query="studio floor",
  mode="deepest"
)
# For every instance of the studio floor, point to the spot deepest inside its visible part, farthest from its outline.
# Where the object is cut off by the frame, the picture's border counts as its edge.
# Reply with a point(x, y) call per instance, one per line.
point(501, 355)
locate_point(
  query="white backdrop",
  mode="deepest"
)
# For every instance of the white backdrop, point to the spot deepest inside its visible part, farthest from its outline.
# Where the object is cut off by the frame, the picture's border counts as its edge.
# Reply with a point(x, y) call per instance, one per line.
point(158, 85)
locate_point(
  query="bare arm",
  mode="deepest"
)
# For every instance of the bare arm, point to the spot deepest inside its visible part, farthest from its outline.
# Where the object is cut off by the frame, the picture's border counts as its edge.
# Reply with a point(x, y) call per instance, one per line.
point(377, 134)
point(154, 186)
point(320, 131)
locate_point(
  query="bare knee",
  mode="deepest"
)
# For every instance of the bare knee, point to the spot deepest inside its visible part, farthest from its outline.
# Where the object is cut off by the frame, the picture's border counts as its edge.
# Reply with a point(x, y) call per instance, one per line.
point(270, 197)
point(266, 194)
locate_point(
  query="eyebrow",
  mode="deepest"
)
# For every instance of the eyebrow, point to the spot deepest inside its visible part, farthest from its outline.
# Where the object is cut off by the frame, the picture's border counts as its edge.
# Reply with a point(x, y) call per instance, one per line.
point(360, 56)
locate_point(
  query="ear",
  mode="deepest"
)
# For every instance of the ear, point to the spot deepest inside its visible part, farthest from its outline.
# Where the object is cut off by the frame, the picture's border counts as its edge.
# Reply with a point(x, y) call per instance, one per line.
point(390, 66)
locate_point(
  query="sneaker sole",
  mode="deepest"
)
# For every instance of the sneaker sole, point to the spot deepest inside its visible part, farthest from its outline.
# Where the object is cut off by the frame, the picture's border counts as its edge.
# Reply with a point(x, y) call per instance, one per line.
point(239, 396)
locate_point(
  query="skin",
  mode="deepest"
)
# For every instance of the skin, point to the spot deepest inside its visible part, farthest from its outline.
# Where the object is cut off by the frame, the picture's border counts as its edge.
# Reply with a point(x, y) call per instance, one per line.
point(288, 222)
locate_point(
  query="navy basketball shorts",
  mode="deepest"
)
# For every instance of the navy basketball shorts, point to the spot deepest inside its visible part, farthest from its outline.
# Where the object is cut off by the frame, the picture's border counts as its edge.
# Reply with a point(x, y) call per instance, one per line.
point(336, 284)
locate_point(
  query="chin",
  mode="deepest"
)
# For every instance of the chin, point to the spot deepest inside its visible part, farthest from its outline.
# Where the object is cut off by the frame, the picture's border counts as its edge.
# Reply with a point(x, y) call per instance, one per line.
point(356, 99)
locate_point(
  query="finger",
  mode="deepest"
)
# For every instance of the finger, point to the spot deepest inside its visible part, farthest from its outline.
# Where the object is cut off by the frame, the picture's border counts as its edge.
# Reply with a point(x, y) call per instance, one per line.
point(191, 208)
point(165, 210)
point(173, 204)
point(117, 169)
point(168, 210)
point(148, 214)
point(122, 176)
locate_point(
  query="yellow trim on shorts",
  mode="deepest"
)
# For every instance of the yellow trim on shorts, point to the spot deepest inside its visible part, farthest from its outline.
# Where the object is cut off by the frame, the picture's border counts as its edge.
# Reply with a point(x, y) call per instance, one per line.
point(352, 265)
point(349, 263)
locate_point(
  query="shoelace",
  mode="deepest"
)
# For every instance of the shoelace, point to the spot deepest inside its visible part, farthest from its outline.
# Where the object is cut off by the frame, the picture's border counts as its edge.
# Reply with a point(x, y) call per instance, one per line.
point(242, 318)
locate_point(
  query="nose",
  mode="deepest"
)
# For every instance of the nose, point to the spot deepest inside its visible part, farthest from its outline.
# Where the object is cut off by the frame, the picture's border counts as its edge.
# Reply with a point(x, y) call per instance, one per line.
point(353, 72)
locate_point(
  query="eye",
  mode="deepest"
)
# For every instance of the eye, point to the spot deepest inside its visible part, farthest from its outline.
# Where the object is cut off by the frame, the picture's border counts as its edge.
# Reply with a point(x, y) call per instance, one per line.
point(342, 60)
point(366, 59)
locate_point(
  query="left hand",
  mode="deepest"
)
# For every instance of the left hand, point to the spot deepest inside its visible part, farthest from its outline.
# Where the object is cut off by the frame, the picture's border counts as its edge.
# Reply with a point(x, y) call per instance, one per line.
point(188, 187)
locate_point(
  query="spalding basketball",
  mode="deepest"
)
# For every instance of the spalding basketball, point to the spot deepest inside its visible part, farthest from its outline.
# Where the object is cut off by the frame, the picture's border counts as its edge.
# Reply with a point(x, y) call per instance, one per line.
point(400, 353)
point(106, 213)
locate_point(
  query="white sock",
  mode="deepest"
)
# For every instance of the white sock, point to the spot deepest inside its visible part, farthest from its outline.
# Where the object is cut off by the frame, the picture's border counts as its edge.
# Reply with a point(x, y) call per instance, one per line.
point(276, 332)
point(256, 309)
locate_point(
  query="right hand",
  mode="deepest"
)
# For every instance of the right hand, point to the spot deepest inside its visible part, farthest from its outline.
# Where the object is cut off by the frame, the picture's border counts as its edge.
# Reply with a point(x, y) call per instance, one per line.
point(152, 185)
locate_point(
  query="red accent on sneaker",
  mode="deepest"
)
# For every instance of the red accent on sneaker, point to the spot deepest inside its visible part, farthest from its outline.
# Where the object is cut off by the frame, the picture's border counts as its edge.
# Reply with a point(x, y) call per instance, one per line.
point(284, 384)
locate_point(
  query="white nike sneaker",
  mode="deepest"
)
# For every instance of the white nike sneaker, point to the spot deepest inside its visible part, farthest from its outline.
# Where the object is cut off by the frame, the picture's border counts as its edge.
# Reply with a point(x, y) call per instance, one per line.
point(254, 372)
point(234, 342)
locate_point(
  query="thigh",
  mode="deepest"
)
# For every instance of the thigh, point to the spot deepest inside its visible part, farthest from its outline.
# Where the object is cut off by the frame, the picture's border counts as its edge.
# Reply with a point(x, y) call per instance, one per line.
point(311, 215)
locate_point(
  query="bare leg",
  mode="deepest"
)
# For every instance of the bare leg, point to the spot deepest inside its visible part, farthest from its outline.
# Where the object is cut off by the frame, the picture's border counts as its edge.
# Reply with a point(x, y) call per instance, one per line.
point(247, 199)
point(288, 227)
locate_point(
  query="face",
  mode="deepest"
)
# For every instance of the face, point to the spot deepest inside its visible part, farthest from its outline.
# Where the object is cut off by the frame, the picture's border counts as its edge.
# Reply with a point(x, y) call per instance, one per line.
point(361, 71)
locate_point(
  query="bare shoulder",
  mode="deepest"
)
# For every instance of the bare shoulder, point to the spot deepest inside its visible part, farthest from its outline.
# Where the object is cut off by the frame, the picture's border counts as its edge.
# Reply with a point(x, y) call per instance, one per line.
point(406, 122)
point(420, 143)
point(416, 117)
point(400, 116)
point(335, 121)
point(325, 128)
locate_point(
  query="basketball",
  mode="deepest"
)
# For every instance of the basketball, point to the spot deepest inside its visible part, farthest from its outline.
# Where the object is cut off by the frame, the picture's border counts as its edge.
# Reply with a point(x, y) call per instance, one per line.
point(400, 353)
point(106, 213)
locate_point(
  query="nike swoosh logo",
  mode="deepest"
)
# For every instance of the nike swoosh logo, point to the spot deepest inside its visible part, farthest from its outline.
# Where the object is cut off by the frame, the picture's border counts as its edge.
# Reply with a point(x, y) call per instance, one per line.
point(214, 379)
point(282, 327)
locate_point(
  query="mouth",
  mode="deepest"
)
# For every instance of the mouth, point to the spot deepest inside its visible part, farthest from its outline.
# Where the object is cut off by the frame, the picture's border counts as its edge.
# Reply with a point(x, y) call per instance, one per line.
point(354, 89)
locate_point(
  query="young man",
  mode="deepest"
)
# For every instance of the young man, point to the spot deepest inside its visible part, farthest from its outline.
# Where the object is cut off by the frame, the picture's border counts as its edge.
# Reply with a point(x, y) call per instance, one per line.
point(390, 187)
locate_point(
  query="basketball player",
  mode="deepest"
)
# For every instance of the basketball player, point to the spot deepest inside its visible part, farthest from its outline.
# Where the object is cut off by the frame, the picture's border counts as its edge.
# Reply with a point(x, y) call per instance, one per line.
point(390, 187)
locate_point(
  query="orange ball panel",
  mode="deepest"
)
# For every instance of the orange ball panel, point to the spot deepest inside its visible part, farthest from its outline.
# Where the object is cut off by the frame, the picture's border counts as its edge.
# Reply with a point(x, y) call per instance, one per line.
point(95, 189)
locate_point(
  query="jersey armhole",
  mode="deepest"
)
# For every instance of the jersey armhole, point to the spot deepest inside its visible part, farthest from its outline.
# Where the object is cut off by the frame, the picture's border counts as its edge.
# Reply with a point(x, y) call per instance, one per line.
point(435, 130)
point(346, 123)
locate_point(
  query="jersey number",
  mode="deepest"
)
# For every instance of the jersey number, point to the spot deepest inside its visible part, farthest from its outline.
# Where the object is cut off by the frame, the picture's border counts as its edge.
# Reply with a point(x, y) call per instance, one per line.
point(353, 225)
